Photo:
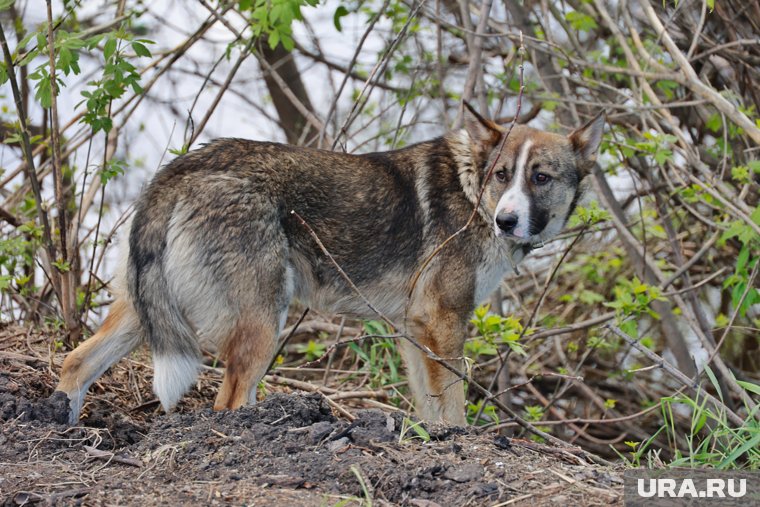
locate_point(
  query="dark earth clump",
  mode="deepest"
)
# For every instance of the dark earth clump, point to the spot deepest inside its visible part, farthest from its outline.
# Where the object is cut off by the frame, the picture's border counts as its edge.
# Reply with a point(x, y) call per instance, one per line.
point(15, 404)
point(290, 449)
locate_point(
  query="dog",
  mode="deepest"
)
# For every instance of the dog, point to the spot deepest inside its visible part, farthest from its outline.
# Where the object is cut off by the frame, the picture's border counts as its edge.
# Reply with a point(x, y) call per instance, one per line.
point(216, 254)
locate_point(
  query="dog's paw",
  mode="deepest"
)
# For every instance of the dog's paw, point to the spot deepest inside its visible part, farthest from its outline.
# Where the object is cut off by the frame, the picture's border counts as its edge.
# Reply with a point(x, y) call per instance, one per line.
point(55, 409)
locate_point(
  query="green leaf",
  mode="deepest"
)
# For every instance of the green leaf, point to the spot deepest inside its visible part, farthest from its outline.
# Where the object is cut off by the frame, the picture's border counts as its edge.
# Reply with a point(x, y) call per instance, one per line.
point(65, 58)
point(580, 21)
point(700, 421)
point(736, 228)
point(741, 261)
point(6, 4)
point(140, 49)
point(111, 170)
point(110, 48)
point(482, 310)
point(274, 39)
point(746, 446)
point(755, 216)
point(274, 13)
point(714, 122)
point(339, 13)
point(749, 386)
point(41, 42)
point(44, 92)
point(714, 381)
point(287, 42)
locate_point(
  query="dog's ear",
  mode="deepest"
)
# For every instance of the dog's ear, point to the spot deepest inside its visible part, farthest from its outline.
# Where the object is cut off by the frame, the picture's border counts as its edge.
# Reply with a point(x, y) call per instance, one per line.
point(586, 141)
point(481, 131)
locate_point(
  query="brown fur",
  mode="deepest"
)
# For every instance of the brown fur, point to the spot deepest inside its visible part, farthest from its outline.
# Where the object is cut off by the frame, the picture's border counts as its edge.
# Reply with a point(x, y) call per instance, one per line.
point(246, 353)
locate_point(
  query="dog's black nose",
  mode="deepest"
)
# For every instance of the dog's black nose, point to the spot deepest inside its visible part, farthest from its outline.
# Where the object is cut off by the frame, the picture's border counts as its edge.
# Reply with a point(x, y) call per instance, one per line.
point(507, 222)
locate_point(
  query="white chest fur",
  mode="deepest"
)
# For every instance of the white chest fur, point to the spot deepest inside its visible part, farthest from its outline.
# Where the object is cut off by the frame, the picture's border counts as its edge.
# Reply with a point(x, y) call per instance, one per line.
point(495, 266)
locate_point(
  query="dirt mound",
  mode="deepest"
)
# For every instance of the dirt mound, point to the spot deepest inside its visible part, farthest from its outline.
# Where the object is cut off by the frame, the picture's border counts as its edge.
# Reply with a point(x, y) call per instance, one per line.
point(294, 441)
point(17, 403)
point(290, 449)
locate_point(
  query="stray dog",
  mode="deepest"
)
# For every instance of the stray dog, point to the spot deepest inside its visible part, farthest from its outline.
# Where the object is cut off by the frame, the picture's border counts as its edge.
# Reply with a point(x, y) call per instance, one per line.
point(215, 255)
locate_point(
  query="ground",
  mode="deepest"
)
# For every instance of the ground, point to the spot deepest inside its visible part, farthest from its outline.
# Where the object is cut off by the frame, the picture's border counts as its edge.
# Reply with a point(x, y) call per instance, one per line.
point(292, 448)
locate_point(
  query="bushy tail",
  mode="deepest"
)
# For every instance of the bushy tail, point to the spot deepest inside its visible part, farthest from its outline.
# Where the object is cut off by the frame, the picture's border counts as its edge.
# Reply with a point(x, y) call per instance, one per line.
point(176, 353)
point(117, 337)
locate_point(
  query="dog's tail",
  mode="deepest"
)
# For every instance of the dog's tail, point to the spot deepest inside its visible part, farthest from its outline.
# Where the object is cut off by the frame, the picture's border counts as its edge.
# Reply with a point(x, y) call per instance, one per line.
point(117, 337)
point(174, 343)
point(176, 354)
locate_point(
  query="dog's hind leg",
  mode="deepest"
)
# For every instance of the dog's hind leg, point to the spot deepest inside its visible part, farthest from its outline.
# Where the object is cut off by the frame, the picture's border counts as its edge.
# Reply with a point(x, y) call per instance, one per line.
point(117, 337)
point(247, 353)
point(249, 348)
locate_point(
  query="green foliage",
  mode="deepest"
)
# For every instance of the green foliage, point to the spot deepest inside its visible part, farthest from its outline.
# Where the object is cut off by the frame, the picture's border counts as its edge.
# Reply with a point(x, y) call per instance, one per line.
point(273, 19)
point(16, 251)
point(398, 14)
point(743, 174)
point(340, 12)
point(655, 145)
point(581, 21)
point(118, 75)
point(311, 350)
point(181, 150)
point(637, 451)
point(633, 298)
point(61, 265)
point(598, 267)
point(534, 414)
point(590, 215)
point(494, 330)
point(749, 255)
point(712, 440)
point(489, 412)
point(113, 168)
point(407, 426)
point(379, 358)
point(66, 46)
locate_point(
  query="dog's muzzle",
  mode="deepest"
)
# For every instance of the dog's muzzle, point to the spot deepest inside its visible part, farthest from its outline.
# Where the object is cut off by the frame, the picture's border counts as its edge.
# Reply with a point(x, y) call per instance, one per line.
point(507, 222)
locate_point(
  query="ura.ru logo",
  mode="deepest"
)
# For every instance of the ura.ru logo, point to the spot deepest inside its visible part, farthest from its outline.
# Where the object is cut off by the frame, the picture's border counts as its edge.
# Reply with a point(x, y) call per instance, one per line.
point(685, 488)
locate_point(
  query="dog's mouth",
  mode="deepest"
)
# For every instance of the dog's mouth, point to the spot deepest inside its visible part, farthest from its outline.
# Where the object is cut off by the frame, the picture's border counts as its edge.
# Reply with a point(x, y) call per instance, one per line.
point(533, 240)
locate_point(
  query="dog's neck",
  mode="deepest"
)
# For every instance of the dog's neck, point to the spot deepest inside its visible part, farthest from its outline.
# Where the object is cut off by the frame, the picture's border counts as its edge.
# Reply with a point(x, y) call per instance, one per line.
point(470, 176)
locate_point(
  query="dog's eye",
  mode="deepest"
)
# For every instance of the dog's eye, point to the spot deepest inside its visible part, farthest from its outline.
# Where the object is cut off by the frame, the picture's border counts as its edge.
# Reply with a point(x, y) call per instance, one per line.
point(541, 178)
point(501, 175)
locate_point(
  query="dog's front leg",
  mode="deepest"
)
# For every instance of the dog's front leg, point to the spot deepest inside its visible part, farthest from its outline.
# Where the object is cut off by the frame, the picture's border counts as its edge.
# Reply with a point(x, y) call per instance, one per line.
point(438, 392)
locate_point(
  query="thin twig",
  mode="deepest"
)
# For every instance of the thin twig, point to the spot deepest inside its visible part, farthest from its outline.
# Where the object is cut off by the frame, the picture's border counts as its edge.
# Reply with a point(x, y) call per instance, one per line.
point(677, 374)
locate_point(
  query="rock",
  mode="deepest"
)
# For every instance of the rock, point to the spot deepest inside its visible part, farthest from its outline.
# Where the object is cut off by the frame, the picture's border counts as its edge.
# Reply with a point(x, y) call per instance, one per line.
point(464, 473)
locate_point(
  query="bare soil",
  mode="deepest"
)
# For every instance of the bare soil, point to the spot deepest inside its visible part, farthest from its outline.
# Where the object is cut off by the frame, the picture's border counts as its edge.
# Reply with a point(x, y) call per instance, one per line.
point(289, 449)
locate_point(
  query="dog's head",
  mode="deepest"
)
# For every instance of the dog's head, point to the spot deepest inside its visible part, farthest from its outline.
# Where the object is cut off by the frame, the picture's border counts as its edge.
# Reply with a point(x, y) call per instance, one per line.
point(536, 178)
